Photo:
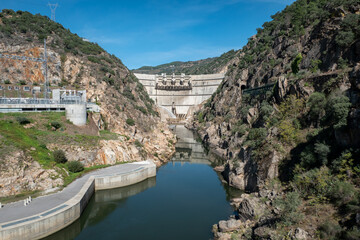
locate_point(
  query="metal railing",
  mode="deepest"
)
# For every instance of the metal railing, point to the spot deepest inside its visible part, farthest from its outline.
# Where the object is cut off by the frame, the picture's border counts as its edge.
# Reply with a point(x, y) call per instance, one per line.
point(37, 101)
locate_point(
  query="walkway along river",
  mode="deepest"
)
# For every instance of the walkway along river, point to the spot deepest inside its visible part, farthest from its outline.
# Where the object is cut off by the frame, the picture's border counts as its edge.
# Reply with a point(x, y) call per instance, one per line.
point(183, 202)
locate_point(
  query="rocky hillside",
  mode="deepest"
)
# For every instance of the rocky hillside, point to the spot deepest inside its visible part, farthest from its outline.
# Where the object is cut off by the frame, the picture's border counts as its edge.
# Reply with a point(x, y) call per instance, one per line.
point(76, 63)
point(293, 145)
point(206, 66)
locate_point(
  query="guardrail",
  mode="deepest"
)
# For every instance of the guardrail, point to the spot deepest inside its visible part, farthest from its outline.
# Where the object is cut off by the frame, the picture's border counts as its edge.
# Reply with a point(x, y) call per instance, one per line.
point(36, 101)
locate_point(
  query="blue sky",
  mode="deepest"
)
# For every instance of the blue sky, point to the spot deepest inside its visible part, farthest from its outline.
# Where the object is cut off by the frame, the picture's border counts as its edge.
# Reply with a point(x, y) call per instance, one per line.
point(153, 32)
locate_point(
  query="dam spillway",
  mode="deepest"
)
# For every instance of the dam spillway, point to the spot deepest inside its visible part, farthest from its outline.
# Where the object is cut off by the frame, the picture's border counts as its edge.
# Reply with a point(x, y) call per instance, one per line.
point(180, 94)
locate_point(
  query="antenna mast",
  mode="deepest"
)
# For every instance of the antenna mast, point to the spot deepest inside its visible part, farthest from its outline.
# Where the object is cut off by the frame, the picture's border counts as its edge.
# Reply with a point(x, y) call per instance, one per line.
point(45, 72)
point(53, 9)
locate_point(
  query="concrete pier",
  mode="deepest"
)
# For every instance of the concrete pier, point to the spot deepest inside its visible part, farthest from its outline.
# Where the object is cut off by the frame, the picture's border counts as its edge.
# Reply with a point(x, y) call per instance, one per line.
point(49, 214)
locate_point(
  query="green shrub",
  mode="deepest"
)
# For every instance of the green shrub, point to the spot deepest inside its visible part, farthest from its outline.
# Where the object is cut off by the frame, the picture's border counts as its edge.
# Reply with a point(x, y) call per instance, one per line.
point(265, 110)
point(289, 208)
point(337, 110)
point(342, 63)
point(141, 109)
point(329, 230)
point(22, 82)
point(130, 121)
point(342, 192)
point(109, 81)
point(240, 129)
point(345, 38)
point(314, 184)
point(22, 120)
point(200, 117)
point(75, 166)
point(94, 59)
point(315, 65)
point(43, 146)
point(322, 150)
point(316, 104)
point(127, 93)
point(308, 158)
point(7, 81)
point(352, 234)
point(345, 167)
point(287, 130)
point(138, 144)
point(349, 30)
point(256, 136)
point(295, 65)
point(55, 125)
point(59, 156)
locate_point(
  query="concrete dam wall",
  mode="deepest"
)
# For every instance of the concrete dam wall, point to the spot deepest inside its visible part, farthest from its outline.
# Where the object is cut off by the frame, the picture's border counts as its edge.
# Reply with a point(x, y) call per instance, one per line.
point(180, 93)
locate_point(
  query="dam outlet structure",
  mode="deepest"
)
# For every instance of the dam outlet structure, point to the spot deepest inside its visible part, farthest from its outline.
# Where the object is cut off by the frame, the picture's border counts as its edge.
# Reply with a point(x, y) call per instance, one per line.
point(179, 94)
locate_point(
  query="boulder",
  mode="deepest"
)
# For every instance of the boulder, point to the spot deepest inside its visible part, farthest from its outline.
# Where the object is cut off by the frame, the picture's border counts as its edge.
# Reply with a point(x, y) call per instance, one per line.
point(229, 225)
point(250, 207)
point(263, 233)
point(298, 234)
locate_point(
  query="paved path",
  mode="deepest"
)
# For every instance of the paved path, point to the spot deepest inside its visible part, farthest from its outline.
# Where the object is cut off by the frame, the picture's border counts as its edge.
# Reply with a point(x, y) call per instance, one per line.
point(17, 210)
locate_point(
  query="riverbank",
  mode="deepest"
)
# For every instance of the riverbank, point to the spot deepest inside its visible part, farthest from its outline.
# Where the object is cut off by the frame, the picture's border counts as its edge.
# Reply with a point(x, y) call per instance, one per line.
point(186, 199)
point(48, 214)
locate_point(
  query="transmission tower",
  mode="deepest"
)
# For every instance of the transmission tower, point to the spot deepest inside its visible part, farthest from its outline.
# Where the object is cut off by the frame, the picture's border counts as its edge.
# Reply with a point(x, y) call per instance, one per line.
point(53, 7)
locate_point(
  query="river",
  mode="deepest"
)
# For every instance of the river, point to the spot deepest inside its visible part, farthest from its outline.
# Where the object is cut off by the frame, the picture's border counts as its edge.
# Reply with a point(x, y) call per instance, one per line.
point(183, 201)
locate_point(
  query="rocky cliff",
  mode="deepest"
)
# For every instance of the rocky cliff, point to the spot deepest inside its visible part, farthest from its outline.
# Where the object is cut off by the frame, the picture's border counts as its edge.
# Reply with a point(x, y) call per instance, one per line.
point(76, 63)
point(288, 110)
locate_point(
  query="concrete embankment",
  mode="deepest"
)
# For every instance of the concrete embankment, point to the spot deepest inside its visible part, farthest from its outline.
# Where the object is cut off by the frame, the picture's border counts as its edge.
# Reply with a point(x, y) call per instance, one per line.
point(37, 220)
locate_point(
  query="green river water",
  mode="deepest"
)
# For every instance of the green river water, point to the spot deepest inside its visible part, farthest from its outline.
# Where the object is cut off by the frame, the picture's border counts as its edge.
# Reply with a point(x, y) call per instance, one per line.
point(183, 201)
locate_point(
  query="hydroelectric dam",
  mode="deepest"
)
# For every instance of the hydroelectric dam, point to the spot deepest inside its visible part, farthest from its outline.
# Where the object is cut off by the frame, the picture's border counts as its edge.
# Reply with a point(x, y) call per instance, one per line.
point(178, 95)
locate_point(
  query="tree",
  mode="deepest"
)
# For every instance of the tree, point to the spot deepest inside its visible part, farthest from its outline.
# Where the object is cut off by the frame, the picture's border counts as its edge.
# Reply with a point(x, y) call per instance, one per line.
point(295, 65)
point(322, 150)
point(344, 39)
point(316, 105)
point(337, 110)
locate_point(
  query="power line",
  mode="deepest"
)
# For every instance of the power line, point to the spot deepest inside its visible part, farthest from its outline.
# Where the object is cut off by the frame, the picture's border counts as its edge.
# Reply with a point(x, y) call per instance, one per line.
point(53, 7)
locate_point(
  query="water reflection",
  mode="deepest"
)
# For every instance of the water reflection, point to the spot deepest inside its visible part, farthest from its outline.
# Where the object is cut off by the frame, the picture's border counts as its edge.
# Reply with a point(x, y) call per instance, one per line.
point(187, 148)
point(102, 204)
point(183, 202)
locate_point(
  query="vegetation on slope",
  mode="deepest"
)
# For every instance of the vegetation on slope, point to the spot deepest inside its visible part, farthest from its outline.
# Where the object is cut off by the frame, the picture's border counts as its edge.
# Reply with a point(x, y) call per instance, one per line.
point(41, 133)
point(310, 118)
point(206, 66)
point(23, 28)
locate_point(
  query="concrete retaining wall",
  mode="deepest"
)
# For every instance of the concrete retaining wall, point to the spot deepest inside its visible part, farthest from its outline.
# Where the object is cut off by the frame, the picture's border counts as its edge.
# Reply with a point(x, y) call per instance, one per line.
point(53, 220)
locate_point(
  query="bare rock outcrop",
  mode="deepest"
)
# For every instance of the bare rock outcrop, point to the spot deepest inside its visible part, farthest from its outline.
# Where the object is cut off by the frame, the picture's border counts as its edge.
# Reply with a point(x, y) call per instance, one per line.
point(19, 173)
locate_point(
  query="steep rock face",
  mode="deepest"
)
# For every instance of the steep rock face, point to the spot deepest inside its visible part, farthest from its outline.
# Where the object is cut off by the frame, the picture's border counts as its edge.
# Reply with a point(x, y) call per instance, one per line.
point(289, 107)
point(110, 152)
point(20, 173)
point(75, 63)
point(227, 115)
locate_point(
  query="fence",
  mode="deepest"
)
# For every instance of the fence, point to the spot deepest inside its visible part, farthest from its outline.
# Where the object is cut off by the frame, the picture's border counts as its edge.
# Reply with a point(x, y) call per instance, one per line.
point(37, 101)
